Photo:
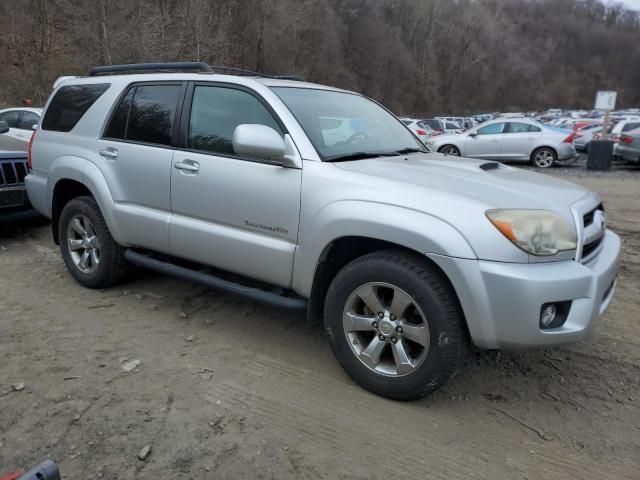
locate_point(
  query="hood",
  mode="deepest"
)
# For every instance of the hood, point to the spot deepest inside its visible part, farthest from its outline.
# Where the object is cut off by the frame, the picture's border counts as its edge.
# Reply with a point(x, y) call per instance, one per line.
point(488, 183)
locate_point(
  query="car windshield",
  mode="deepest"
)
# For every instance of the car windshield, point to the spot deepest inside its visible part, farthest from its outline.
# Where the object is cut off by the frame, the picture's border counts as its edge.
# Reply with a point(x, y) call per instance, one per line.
point(347, 126)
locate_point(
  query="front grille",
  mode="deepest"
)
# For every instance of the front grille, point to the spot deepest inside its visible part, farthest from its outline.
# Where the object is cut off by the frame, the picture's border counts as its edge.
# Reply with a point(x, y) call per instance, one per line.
point(591, 247)
point(13, 172)
point(588, 217)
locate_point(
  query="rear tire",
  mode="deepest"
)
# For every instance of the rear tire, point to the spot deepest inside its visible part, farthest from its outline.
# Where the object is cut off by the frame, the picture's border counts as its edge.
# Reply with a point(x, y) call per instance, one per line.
point(89, 251)
point(425, 299)
point(449, 150)
point(544, 157)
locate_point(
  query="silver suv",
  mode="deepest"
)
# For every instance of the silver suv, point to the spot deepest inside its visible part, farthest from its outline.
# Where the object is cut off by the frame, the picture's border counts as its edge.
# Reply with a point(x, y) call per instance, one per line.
point(332, 204)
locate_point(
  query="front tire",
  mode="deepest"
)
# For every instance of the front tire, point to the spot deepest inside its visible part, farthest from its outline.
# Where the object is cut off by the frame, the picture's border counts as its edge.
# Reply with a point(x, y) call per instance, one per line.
point(89, 251)
point(544, 157)
point(395, 325)
point(449, 150)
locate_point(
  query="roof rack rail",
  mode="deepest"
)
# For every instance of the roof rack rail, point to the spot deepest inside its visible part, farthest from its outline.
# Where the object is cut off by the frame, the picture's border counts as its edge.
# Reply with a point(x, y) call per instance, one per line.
point(142, 67)
point(173, 66)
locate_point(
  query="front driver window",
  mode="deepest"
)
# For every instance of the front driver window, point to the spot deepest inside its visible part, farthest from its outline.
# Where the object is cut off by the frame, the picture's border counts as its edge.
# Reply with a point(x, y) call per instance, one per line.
point(491, 129)
point(217, 111)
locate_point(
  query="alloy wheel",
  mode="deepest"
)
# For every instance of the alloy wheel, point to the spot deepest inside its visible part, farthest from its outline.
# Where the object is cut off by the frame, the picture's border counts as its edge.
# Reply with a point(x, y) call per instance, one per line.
point(543, 159)
point(386, 329)
point(83, 244)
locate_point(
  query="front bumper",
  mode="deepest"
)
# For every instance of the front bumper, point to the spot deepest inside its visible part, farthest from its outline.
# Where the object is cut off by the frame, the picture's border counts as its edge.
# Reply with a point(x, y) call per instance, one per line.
point(502, 301)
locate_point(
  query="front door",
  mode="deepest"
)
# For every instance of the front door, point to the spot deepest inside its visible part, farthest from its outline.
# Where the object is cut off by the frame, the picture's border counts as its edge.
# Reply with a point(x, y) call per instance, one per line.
point(487, 143)
point(234, 213)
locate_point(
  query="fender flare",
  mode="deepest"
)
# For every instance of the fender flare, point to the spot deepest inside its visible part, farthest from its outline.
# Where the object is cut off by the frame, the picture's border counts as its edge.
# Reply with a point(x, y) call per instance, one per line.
point(412, 229)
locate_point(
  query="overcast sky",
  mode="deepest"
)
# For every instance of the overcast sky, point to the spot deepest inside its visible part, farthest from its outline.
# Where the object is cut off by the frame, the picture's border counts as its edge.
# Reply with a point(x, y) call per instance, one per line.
point(633, 4)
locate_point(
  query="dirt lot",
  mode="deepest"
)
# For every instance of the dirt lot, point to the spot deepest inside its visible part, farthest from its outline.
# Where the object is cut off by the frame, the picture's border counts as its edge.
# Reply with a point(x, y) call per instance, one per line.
point(229, 389)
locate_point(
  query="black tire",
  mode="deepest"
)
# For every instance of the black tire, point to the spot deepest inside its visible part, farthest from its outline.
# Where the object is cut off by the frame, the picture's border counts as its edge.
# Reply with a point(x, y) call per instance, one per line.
point(432, 292)
point(111, 267)
point(449, 150)
point(548, 153)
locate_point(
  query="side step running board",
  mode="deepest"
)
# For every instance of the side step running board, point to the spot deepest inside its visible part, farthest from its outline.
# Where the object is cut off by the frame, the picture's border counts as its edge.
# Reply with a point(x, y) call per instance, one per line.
point(212, 281)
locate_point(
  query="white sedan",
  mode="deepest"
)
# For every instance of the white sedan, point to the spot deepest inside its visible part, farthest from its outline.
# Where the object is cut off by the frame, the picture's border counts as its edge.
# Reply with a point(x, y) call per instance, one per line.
point(21, 121)
point(502, 139)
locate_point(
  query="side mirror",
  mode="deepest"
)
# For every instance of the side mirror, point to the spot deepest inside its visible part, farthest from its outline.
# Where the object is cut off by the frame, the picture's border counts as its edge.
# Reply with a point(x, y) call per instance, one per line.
point(473, 134)
point(258, 141)
point(4, 128)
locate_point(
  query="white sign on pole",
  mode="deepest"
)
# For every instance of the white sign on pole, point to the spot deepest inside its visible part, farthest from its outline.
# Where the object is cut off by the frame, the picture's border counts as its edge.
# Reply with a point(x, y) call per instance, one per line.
point(606, 100)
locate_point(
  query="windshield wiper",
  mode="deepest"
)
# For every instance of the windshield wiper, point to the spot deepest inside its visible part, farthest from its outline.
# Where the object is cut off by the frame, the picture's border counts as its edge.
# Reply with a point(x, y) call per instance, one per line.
point(364, 155)
point(359, 156)
point(404, 151)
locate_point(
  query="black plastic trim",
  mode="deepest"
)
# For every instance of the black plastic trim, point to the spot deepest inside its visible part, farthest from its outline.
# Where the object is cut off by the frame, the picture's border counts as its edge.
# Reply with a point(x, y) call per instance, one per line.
point(144, 67)
point(250, 293)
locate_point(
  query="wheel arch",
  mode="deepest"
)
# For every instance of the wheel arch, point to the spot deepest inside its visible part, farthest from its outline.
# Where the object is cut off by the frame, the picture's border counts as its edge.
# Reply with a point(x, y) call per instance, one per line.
point(90, 183)
point(347, 230)
point(538, 147)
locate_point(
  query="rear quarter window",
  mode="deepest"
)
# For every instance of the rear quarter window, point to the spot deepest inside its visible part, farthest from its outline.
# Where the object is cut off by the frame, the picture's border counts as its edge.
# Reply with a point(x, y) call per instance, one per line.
point(69, 104)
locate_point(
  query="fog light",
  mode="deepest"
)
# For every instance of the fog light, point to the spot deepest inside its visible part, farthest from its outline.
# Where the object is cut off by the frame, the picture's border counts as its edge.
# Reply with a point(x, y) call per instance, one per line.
point(548, 315)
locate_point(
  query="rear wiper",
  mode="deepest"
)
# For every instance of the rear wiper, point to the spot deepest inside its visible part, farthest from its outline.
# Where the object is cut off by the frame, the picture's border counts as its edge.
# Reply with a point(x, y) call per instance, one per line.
point(359, 156)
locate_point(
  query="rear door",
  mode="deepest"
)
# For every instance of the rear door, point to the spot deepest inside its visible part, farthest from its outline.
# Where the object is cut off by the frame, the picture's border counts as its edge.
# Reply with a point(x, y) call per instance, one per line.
point(487, 143)
point(236, 213)
point(135, 155)
point(519, 140)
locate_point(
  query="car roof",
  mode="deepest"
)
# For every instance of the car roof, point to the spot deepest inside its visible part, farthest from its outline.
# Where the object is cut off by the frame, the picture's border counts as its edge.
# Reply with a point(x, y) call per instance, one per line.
point(246, 80)
point(26, 109)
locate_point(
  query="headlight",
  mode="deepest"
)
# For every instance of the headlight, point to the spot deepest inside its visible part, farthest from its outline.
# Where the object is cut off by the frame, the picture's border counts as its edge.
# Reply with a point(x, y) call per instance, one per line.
point(538, 232)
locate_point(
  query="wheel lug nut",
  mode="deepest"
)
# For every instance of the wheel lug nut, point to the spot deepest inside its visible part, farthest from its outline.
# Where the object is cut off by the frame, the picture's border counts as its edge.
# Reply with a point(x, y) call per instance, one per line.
point(374, 324)
point(393, 317)
point(380, 315)
point(399, 329)
point(394, 340)
point(381, 337)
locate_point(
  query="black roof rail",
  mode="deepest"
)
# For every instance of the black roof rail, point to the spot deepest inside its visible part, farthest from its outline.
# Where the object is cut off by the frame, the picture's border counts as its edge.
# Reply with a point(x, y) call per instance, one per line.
point(142, 67)
point(173, 66)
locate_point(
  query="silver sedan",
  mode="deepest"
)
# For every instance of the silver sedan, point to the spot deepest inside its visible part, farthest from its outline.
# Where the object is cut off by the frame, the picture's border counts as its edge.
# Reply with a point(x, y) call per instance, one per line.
point(520, 140)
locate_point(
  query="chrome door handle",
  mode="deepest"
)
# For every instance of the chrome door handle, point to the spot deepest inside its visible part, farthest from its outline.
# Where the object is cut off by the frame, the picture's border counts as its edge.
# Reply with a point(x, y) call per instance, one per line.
point(188, 166)
point(109, 153)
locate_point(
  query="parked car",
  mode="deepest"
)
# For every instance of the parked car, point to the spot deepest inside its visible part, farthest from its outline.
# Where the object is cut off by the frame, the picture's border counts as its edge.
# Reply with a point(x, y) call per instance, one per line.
point(454, 124)
point(405, 254)
point(21, 121)
point(583, 135)
point(419, 129)
point(503, 139)
point(14, 204)
point(628, 148)
point(437, 125)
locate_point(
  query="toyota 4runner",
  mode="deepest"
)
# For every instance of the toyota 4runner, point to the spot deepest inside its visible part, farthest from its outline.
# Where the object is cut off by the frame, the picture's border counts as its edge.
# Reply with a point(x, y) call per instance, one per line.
point(331, 203)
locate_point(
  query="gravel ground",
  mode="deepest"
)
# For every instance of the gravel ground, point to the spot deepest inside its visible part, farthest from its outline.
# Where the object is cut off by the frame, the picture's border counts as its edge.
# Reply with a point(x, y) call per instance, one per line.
point(223, 388)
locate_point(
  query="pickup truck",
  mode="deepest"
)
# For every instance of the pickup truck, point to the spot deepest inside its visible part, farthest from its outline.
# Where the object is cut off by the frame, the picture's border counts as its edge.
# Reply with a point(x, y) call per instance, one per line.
point(328, 201)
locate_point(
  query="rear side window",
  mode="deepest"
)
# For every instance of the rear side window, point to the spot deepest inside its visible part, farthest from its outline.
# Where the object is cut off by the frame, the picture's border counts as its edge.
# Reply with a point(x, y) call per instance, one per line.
point(28, 120)
point(69, 104)
point(630, 126)
point(118, 125)
point(217, 111)
point(152, 113)
point(145, 114)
